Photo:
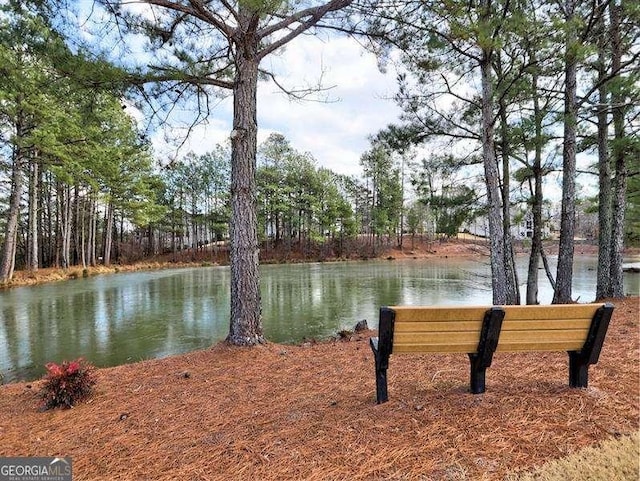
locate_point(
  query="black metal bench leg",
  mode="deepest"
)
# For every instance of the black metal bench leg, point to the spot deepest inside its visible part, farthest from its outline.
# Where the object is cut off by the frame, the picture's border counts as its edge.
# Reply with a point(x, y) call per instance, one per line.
point(578, 370)
point(381, 386)
point(381, 372)
point(478, 372)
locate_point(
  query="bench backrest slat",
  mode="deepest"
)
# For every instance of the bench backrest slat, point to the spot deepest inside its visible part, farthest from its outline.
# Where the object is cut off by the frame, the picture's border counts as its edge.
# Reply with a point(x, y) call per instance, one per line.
point(437, 329)
point(436, 341)
point(524, 328)
point(431, 313)
point(546, 328)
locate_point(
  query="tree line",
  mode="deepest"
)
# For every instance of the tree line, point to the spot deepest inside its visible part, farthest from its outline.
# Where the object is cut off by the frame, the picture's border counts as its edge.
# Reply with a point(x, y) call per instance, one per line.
point(71, 162)
point(512, 91)
point(522, 89)
point(80, 185)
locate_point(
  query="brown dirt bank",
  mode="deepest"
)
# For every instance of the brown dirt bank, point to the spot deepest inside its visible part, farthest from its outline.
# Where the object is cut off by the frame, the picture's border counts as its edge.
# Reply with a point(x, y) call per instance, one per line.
point(308, 412)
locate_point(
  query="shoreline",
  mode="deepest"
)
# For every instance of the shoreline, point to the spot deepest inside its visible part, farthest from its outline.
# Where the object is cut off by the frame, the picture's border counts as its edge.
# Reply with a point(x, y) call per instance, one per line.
point(459, 248)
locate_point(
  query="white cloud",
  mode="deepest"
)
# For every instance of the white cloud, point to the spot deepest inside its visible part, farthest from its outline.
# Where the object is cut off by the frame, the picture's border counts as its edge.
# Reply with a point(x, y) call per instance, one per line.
point(360, 104)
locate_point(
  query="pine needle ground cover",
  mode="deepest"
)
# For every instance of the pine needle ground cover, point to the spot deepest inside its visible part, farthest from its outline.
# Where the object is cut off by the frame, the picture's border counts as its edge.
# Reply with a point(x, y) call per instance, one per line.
point(308, 412)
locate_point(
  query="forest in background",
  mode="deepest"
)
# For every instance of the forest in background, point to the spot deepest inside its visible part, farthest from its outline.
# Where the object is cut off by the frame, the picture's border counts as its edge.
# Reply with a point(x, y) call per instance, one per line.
point(80, 183)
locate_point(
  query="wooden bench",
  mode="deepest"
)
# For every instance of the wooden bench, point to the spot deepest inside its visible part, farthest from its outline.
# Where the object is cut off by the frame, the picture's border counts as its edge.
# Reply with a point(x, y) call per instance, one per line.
point(579, 329)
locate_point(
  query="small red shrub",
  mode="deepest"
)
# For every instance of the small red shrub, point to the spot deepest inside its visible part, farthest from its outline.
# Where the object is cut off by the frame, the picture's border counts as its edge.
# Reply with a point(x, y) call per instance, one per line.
point(67, 383)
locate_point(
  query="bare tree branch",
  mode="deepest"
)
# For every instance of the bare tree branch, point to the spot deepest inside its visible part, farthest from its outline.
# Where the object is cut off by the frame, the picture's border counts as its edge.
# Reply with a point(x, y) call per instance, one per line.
point(210, 17)
point(315, 15)
point(298, 94)
point(298, 16)
point(201, 13)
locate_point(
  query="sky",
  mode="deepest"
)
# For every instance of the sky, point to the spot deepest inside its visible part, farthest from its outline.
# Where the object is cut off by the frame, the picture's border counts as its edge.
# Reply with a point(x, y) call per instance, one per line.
point(335, 126)
point(358, 103)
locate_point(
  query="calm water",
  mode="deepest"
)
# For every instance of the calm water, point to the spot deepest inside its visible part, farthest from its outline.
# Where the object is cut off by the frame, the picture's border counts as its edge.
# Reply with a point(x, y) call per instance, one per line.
point(114, 319)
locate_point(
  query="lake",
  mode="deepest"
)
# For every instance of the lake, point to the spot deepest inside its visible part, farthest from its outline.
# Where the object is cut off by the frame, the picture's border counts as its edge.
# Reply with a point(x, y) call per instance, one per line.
point(116, 319)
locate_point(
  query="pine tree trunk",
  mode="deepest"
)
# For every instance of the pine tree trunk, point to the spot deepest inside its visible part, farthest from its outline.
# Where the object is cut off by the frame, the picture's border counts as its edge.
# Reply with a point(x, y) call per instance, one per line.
point(108, 236)
point(536, 205)
point(11, 227)
point(603, 284)
point(42, 257)
point(68, 220)
point(564, 275)
point(152, 241)
point(13, 254)
point(118, 237)
point(64, 202)
point(246, 317)
point(83, 234)
point(32, 231)
point(90, 244)
point(620, 181)
point(77, 226)
point(513, 293)
point(7, 258)
point(401, 221)
point(93, 245)
point(47, 223)
point(494, 201)
point(57, 229)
